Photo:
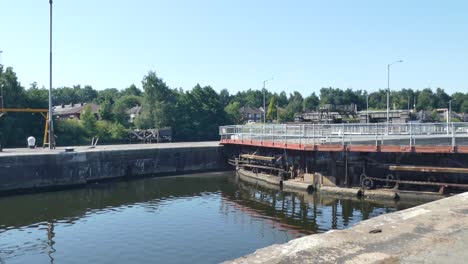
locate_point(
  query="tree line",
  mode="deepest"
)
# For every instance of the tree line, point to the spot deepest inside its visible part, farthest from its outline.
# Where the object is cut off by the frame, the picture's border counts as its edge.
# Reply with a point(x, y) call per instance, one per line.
point(193, 115)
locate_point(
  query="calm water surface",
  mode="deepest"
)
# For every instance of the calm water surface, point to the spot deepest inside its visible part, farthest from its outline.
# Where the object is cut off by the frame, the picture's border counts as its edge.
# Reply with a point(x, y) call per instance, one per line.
point(186, 219)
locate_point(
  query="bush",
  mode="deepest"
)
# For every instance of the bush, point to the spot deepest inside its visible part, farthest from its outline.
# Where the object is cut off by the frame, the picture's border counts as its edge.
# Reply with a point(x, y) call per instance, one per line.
point(111, 132)
point(118, 131)
point(70, 132)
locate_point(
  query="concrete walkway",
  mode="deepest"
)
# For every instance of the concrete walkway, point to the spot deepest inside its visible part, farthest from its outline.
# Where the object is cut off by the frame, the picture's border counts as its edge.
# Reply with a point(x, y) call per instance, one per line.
point(435, 232)
point(42, 151)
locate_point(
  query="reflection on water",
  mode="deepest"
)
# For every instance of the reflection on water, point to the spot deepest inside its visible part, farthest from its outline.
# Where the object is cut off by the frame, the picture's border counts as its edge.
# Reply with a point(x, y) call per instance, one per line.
point(186, 219)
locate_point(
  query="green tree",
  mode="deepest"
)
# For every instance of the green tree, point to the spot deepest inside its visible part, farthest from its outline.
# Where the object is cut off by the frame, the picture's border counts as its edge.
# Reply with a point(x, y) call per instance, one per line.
point(105, 110)
point(271, 113)
point(311, 102)
point(70, 132)
point(282, 99)
point(109, 132)
point(15, 127)
point(132, 90)
point(86, 94)
point(89, 121)
point(464, 106)
point(441, 99)
point(458, 100)
point(201, 111)
point(143, 121)
point(158, 100)
point(37, 97)
point(232, 112)
point(118, 131)
point(64, 95)
point(225, 97)
point(378, 100)
point(426, 100)
point(122, 105)
point(286, 115)
point(111, 94)
point(296, 103)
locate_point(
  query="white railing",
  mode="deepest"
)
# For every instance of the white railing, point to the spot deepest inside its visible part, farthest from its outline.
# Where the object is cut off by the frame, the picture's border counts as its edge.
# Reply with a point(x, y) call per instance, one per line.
point(379, 134)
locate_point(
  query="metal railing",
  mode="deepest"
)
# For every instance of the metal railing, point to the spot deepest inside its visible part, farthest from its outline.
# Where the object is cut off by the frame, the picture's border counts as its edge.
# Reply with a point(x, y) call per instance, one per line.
point(449, 134)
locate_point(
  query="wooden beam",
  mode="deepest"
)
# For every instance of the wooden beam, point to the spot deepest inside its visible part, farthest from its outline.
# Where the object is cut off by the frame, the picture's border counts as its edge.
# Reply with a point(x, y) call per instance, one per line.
point(256, 157)
point(24, 110)
point(261, 167)
point(428, 169)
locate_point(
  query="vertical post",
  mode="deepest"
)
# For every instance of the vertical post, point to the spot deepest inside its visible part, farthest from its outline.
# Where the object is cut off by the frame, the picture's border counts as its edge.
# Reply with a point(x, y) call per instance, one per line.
point(447, 114)
point(346, 183)
point(264, 105)
point(388, 96)
point(342, 134)
point(313, 134)
point(388, 93)
point(376, 133)
point(263, 132)
point(450, 112)
point(51, 124)
point(410, 135)
point(408, 104)
point(285, 133)
point(303, 135)
point(240, 132)
point(306, 139)
point(367, 111)
point(264, 110)
point(453, 136)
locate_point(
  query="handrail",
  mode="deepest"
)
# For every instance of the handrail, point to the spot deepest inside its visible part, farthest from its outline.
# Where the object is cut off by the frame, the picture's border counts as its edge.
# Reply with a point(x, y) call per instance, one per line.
point(379, 133)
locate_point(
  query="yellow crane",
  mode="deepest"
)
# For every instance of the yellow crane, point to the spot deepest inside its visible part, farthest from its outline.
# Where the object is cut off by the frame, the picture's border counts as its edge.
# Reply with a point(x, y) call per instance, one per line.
point(43, 112)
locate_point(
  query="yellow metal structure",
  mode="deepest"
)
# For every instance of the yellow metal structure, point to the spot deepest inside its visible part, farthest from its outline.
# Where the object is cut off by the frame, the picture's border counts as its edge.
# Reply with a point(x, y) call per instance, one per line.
point(43, 112)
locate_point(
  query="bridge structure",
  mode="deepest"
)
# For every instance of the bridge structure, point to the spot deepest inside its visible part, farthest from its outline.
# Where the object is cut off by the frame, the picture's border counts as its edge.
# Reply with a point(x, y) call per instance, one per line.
point(349, 155)
point(378, 137)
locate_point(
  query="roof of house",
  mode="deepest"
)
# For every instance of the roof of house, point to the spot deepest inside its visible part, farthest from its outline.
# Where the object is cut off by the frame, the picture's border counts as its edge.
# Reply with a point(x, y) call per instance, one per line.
point(72, 109)
point(136, 110)
point(250, 110)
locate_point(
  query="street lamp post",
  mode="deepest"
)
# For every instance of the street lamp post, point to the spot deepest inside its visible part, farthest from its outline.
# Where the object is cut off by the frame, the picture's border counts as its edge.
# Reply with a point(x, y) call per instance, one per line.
point(264, 110)
point(449, 118)
point(367, 111)
point(51, 124)
point(1, 51)
point(388, 91)
point(408, 103)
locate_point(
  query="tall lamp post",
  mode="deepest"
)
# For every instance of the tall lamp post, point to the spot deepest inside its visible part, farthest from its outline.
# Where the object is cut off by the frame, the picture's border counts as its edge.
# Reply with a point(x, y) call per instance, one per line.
point(408, 103)
point(264, 110)
point(449, 118)
point(388, 91)
point(367, 111)
point(51, 124)
point(1, 51)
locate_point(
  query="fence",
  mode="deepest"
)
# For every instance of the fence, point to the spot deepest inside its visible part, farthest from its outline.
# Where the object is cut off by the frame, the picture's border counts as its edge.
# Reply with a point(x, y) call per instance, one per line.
point(450, 134)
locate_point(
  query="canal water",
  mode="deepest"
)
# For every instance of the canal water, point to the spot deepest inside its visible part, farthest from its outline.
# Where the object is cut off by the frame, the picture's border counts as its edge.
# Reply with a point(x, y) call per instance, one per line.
point(205, 218)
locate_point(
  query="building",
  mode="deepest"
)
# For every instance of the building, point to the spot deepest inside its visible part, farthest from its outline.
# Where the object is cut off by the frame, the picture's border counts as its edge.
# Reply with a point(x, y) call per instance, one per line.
point(329, 114)
point(251, 114)
point(380, 116)
point(134, 112)
point(74, 111)
point(319, 117)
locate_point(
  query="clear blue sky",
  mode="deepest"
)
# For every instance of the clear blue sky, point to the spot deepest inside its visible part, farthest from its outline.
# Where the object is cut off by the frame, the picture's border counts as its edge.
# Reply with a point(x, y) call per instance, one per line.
point(304, 45)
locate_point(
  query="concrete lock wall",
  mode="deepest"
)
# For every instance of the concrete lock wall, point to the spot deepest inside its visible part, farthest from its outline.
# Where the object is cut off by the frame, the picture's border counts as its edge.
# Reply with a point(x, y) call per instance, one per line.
point(61, 169)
